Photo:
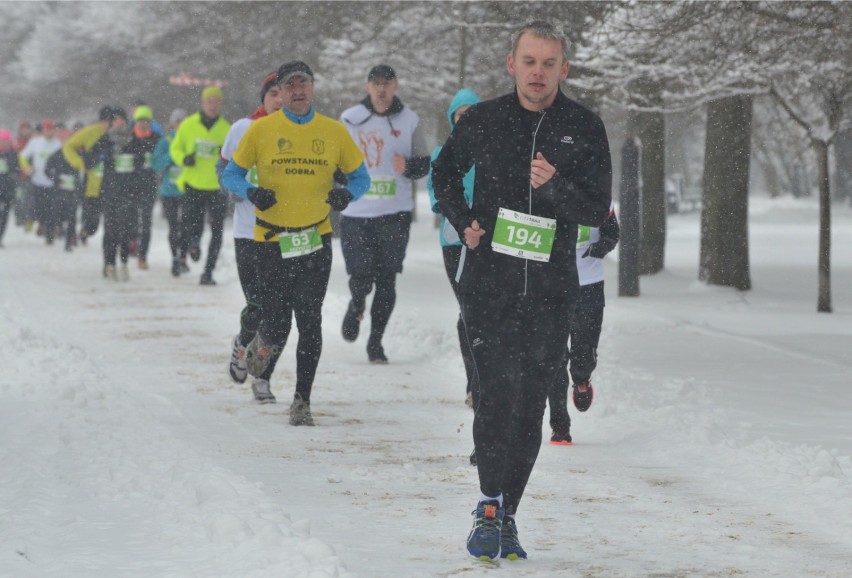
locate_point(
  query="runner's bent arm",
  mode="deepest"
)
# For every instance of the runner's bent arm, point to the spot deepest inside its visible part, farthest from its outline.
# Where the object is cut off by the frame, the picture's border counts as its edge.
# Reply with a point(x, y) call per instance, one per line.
point(359, 182)
point(234, 180)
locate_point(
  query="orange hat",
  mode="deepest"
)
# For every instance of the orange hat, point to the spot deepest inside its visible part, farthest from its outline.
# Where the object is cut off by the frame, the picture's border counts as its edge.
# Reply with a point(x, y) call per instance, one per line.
point(48, 124)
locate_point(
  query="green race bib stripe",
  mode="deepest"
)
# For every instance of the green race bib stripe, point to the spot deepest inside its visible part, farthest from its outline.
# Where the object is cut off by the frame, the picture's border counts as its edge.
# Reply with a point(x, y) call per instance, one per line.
point(300, 243)
point(206, 149)
point(381, 188)
point(124, 163)
point(523, 236)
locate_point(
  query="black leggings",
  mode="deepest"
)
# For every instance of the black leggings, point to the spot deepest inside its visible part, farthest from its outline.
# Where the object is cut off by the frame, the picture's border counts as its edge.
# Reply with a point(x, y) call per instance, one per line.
point(296, 285)
point(452, 255)
point(195, 204)
point(118, 226)
point(582, 353)
point(172, 208)
point(145, 210)
point(383, 301)
point(6, 201)
point(518, 345)
point(246, 254)
point(374, 249)
point(90, 216)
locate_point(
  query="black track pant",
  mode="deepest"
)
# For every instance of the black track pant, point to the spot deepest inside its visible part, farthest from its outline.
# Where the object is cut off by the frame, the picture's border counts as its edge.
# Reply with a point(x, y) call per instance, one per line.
point(144, 208)
point(374, 249)
point(246, 253)
point(296, 285)
point(197, 203)
point(452, 255)
point(172, 208)
point(90, 216)
point(582, 352)
point(7, 199)
point(518, 346)
point(118, 226)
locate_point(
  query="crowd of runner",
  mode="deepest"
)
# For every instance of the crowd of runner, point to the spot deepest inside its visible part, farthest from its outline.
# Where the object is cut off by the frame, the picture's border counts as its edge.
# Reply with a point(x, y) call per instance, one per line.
point(522, 186)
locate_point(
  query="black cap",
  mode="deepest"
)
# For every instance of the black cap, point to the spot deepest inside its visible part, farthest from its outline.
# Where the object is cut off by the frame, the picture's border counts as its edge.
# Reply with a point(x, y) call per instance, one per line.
point(118, 113)
point(294, 68)
point(381, 71)
point(106, 113)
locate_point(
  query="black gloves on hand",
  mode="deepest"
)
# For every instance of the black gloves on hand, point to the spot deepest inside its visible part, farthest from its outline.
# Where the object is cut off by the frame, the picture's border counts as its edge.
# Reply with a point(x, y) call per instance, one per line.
point(339, 198)
point(594, 251)
point(189, 160)
point(96, 154)
point(600, 249)
point(262, 198)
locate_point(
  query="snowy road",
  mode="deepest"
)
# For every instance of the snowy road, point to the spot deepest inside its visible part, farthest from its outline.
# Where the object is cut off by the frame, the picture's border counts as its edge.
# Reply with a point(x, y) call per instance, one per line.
point(719, 442)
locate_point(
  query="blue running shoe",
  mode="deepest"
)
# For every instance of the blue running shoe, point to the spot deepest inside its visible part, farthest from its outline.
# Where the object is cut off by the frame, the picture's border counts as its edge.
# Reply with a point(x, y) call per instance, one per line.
point(483, 542)
point(510, 547)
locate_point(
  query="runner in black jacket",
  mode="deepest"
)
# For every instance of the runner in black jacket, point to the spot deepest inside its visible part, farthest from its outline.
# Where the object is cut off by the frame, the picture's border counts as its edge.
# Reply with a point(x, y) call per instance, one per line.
point(542, 167)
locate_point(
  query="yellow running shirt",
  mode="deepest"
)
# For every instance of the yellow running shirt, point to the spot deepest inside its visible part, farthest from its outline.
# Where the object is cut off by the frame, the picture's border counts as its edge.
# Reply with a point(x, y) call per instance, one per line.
point(298, 162)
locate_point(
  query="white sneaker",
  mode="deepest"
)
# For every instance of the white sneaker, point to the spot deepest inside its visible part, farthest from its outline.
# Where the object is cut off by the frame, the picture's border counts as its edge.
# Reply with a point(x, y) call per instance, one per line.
point(260, 389)
point(238, 368)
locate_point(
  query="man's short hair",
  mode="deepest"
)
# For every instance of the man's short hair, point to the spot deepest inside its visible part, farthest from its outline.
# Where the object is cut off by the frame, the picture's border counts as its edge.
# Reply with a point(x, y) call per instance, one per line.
point(542, 29)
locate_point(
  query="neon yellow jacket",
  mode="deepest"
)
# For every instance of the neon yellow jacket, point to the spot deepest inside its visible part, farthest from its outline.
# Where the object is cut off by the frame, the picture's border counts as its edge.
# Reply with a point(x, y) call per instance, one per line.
point(85, 138)
point(192, 137)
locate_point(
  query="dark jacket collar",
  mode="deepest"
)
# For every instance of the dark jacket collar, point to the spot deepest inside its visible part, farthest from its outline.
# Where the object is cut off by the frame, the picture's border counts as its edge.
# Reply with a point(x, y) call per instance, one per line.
point(395, 107)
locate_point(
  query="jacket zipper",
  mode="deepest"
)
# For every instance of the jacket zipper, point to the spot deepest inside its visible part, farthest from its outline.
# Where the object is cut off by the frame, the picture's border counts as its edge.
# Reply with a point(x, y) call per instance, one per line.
point(529, 197)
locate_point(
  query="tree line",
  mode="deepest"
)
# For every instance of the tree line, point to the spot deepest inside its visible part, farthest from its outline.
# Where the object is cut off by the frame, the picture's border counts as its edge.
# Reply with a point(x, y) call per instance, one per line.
point(768, 83)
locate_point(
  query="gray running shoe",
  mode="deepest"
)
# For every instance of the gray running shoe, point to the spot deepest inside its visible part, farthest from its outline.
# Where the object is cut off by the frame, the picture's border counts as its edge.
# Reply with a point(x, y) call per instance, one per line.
point(260, 389)
point(259, 355)
point(124, 273)
point(300, 412)
point(238, 367)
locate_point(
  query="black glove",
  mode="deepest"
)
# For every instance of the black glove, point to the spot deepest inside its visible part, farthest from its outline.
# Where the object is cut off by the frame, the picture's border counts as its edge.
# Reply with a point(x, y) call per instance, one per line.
point(339, 199)
point(262, 198)
point(600, 249)
point(96, 154)
point(594, 251)
point(189, 160)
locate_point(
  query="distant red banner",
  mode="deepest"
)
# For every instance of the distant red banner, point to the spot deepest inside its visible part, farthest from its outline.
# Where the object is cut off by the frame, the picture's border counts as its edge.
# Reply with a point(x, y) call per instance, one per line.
point(186, 79)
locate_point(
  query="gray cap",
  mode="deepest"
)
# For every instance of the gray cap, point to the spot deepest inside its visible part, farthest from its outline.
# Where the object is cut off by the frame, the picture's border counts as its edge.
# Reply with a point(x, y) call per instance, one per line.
point(177, 115)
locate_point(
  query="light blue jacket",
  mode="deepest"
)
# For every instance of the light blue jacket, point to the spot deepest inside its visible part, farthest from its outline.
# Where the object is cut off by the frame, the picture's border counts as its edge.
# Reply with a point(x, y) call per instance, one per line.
point(161, 160)
point(448, 235)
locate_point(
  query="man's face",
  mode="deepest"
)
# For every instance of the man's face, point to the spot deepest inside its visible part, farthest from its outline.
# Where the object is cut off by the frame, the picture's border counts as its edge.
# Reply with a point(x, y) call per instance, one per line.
point(381, 93)
point(537, 67)
point(273, 99)
point(298, 95)
point(211, 106)
point(144, 124)
point(118, 122)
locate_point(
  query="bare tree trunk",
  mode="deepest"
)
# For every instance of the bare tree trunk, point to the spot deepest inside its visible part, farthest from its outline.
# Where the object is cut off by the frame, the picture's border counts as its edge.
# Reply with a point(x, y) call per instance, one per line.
point(843, 165)
point(628, 257)
point(724, 256)
point(824, 267)
point(651, 127)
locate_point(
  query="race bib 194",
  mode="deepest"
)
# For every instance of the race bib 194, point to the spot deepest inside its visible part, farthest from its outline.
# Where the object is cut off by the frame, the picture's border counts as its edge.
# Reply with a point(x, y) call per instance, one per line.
point(524, 236)
point(299, 243)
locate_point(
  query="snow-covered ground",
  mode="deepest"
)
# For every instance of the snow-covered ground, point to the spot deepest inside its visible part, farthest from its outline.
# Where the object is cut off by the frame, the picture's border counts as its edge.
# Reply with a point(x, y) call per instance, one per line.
point(719, 442)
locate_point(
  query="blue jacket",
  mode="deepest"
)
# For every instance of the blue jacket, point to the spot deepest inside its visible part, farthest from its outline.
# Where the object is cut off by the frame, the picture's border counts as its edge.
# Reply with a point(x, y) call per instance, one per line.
point(448, 235)
point(161, 160)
